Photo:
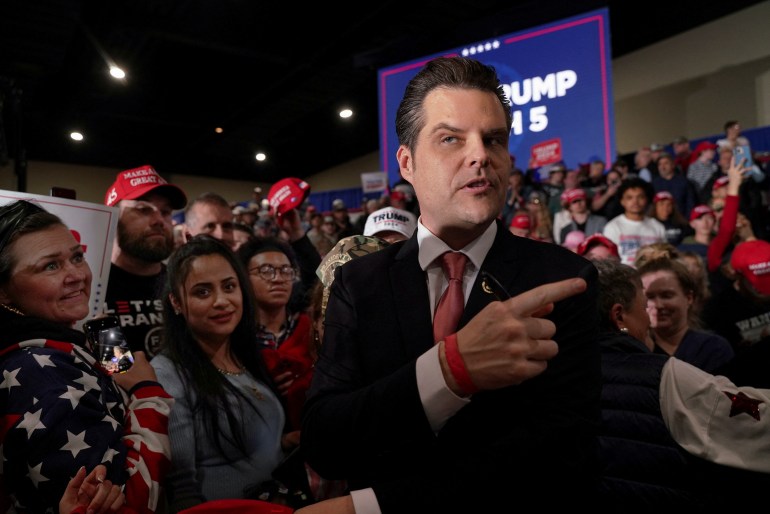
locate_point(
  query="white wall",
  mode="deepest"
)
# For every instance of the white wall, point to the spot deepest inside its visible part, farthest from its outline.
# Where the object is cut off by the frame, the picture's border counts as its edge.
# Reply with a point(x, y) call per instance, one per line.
point(91, 183)
point(692, 83)
point(688, 85)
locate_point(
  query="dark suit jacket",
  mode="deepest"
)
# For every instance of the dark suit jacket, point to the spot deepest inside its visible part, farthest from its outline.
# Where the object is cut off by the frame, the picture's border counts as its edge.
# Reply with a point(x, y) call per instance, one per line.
point(524, 444)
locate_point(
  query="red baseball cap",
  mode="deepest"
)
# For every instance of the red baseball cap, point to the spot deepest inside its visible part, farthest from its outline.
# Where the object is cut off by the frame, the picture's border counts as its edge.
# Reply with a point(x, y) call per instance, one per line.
point(662, 195)
point(701, 210)
point(752, 260)
point(521, 221)
point(702, 147)
point(571, 195)
point(720, 182)
point(597, 239)
point(287, 194)
point(137, 182)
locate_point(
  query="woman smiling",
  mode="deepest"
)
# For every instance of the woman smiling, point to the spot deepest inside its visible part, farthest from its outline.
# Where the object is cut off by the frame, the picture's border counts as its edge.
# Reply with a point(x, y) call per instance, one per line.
point(225, 429)
point(671, 290)
point(61, 410)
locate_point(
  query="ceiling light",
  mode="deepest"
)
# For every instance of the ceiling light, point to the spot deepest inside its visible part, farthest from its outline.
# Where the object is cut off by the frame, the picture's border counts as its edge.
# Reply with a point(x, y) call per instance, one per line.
point(261, 157)
point(117, 72)
point(346, 113)
point(76, 136)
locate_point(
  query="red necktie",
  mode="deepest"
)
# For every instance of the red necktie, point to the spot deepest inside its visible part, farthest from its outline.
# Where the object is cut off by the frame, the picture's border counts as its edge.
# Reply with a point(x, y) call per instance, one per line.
point(450, 306)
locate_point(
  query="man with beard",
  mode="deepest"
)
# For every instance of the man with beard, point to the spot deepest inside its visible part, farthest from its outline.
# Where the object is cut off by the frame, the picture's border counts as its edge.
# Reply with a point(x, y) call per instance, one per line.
point(144, 240)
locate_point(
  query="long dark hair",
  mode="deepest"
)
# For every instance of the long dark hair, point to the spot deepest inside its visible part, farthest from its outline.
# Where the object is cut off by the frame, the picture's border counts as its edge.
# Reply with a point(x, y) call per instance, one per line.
point(179, 344)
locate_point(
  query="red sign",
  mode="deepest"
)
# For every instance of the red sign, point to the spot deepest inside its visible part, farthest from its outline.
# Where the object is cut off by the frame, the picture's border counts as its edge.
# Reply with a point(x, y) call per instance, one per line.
point(546, 152)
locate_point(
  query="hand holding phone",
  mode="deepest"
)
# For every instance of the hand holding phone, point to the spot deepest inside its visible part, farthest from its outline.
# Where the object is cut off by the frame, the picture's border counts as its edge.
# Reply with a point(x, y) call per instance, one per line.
point(108, 344)
point(742, 155)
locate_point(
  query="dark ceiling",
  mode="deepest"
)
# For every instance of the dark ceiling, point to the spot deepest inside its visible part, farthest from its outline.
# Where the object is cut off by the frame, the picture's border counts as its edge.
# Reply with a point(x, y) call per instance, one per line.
point(272, 74)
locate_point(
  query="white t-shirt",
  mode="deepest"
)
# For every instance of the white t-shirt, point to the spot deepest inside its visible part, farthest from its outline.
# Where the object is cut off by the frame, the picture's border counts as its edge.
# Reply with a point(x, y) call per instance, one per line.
point(630, 235)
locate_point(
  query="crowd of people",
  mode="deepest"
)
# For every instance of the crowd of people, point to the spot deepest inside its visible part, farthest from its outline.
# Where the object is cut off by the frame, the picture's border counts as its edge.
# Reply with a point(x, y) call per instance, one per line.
point(478, 338)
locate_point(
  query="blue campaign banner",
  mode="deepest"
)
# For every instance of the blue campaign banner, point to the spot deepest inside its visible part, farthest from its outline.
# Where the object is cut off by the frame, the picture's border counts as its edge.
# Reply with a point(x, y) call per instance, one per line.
point(558, 78)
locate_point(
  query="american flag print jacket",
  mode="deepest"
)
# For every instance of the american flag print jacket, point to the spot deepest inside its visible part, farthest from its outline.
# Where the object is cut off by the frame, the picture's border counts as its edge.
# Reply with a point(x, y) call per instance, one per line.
point(60, 410)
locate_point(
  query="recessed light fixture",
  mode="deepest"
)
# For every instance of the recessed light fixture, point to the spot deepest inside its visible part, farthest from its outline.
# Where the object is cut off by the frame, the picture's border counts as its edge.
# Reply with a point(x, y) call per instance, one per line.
point(76, 136)
point(346, 113)
point(117, 72)
point(261, 157)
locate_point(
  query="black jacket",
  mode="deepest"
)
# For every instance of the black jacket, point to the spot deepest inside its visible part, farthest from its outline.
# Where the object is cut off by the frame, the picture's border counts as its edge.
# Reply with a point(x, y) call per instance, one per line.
point(514, 446)
point(644, 469)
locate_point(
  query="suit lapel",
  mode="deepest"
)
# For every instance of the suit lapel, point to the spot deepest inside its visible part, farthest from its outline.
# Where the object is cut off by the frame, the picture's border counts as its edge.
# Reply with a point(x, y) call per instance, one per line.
point(501, 263)
point(410, 293)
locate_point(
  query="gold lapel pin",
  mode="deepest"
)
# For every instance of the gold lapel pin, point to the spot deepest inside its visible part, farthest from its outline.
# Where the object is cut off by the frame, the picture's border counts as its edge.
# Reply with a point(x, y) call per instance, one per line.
point(492, 286)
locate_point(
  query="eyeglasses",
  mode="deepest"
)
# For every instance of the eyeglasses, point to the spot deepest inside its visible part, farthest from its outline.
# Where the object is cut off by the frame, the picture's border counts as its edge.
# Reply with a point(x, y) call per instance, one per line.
point(269, 272)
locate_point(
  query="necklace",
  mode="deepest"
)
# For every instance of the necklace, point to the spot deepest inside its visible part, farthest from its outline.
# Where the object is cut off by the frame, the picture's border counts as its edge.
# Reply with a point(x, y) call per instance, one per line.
point(230, 373)
point(12, 309)
point(248, 383)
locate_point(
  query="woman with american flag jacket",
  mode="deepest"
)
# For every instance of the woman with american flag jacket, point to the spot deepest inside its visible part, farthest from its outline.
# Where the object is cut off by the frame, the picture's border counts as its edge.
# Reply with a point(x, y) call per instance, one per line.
point(59, 409)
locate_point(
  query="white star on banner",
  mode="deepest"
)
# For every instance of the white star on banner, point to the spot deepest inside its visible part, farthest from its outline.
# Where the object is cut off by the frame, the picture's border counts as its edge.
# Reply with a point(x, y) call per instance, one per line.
point(9, 379)
point(89, 382)
point(73, 395)
point(35, 474)
point(75, 443)
point(44, 360)
point(31, 422)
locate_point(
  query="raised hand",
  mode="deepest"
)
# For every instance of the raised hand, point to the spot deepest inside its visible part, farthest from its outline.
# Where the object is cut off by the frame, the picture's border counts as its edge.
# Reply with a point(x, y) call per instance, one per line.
point(140, 371)
point(509, 342)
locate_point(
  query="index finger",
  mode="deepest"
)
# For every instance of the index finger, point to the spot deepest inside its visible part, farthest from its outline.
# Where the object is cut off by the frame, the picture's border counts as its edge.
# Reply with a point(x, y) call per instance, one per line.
point(529, 302)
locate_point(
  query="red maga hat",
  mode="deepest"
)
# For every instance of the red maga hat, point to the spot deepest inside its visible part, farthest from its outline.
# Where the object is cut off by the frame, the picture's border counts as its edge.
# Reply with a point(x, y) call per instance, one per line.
point(137, 182)
point(287, 194)
point(752, 260)
point(701, 210)
point(597, 239)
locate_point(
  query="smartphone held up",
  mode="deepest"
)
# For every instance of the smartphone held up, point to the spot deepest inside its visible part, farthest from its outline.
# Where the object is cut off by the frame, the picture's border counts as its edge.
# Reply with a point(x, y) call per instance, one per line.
point(108, 344)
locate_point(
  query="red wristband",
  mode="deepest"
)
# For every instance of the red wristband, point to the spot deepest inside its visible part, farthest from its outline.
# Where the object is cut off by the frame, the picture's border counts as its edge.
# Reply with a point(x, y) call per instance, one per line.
point(457, 365)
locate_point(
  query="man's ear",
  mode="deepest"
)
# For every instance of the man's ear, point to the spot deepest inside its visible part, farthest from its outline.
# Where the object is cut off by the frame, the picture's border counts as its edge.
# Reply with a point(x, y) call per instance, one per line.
point(405, 163)
point(616, 315)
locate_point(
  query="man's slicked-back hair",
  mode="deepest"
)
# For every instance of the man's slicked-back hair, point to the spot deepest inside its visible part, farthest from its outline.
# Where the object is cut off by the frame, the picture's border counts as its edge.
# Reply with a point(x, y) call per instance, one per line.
point(450, 73)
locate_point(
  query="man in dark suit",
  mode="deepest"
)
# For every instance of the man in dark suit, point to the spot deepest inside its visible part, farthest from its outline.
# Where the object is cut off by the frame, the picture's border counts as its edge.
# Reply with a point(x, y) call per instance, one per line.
point(502, 413)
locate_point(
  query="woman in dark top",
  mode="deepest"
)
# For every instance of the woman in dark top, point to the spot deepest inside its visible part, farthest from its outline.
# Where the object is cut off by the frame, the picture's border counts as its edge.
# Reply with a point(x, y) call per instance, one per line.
point(671, 291)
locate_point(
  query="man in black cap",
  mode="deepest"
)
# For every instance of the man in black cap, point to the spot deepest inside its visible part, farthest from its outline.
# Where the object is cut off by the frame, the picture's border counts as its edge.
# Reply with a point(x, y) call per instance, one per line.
point(144, 241)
